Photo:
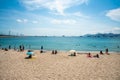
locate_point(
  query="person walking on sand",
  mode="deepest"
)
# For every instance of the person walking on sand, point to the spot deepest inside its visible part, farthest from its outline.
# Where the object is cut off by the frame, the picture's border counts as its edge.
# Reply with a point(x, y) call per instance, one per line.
point(41, 51)
point(106, 51)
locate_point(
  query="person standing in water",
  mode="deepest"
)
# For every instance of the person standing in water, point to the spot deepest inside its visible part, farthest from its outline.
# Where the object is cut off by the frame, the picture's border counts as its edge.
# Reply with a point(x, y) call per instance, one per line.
point(9, 46)
point(23, 48)
point(20, 47)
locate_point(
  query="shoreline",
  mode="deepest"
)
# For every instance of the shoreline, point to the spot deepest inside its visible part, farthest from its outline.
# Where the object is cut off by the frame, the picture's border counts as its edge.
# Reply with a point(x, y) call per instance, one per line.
point(78, 52)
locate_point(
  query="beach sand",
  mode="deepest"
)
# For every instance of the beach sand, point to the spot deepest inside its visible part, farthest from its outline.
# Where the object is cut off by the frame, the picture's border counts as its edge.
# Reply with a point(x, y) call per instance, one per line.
point(46, 66)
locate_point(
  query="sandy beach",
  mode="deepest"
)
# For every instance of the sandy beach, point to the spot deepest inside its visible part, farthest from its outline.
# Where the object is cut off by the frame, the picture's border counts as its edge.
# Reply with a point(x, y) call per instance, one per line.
point(46, 66)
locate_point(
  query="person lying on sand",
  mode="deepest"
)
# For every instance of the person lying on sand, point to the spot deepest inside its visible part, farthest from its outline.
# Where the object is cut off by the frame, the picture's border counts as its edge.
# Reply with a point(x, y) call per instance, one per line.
point(96, 56)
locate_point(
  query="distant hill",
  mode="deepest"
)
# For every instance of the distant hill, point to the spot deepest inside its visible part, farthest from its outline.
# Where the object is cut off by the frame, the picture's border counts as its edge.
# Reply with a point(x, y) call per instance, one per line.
point(87, 35)
point(102, 35)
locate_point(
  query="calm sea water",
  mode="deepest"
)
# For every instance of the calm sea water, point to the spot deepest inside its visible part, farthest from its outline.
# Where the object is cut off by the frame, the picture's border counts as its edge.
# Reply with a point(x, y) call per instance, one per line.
point(63, 43)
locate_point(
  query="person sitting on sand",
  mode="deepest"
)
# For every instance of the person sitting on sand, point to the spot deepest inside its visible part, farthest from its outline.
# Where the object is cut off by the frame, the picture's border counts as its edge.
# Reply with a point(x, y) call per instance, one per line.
point(29, 53)
point(74, 54)
point(41, 51)
point(55, 51)
point(52, 51)
point(101, 52)
point(30, 56)
point(89, 55)
point(6, 49)
point(96, 56)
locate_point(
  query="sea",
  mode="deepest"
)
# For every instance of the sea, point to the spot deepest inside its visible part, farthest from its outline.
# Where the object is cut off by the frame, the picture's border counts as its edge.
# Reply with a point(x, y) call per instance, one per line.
point(63, 43)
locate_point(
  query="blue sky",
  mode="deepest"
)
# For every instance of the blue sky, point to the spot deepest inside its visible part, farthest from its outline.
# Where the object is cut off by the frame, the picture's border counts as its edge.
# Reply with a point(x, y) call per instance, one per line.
point(59, 17)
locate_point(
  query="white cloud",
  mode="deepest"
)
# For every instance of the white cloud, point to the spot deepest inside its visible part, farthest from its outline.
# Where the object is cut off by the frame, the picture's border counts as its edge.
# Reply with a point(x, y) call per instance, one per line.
point(78, 14)
point(22, 20)
point(114, 14)
point(26, 21)
point(19, 20)
point(57, 6)
point(66, 21)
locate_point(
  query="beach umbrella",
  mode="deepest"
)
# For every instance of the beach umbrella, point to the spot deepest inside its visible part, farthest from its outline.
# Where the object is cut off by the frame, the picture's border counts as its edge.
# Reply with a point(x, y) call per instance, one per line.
point(72, 51)
point(30, 53)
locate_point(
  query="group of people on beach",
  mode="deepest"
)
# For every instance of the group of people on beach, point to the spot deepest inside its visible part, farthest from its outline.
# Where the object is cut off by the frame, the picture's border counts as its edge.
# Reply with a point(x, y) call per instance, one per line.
point(21, 48)
point(6, 49)
point(97, 55)
point(106, 51)
point(89, 55)
point(30, 53)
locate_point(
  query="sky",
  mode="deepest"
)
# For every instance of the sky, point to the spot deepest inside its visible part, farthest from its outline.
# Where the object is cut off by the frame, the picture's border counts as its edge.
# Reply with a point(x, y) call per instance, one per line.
point(59, 17)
